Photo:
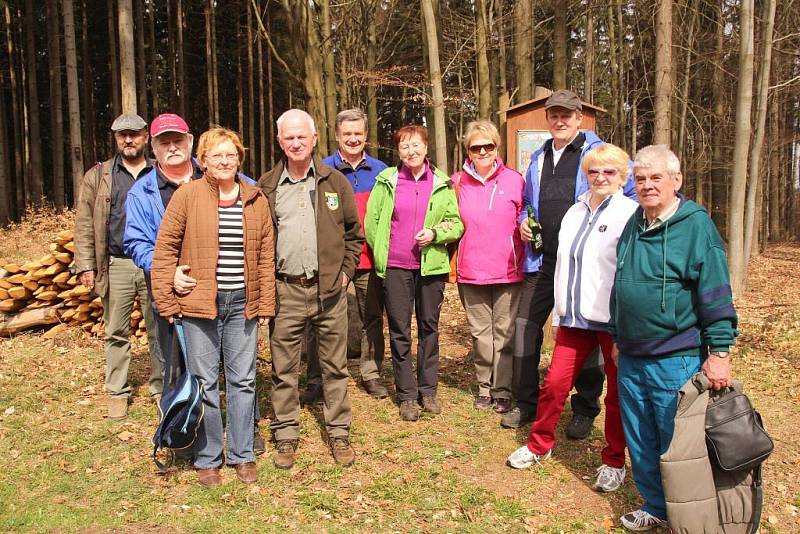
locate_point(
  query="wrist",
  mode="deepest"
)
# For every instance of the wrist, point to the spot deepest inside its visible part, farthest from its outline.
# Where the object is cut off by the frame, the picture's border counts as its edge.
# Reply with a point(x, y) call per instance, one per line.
point(433, 231)
point(719, 354)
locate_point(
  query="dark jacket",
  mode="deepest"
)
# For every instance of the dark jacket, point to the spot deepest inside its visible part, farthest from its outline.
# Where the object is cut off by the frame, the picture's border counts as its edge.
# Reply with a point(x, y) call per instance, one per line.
point(339, 235)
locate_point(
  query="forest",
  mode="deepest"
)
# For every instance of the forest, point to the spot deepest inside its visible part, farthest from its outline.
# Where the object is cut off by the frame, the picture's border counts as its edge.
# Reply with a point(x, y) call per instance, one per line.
point(717, 80)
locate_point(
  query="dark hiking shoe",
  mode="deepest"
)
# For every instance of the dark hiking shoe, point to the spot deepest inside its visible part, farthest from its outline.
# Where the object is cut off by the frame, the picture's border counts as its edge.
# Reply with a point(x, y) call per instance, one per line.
point(517, 417)
point(483, 402)
point(431, 404)
point(343, 453)
point(375, 388)
point(311, 395)
point(283, 457)
point(409, 410)
point(502, 405)
point(580, 426)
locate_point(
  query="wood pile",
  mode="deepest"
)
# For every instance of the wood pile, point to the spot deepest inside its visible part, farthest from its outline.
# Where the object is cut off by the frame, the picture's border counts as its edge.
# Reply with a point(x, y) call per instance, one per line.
point(45, 291)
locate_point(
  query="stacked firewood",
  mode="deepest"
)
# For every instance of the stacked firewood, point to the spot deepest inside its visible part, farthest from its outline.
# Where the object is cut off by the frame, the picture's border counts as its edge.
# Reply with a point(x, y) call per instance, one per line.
point(46, 292)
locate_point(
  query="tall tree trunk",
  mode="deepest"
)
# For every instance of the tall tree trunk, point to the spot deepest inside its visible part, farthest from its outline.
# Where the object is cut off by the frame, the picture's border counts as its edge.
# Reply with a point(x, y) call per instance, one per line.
point(775, 229)
point(751, 220)
point(141, 64)
point(686, 78)
point(523, 49)
point(269, 120)
point(127, 65)
point(372, 93)
point(662, 129)
point(89, 143)
point(113, 48)
point(262, 121)
point(172, 22)
point(16, 113)
point(211, 74)
point(440, 144)
point(588, 66)
point(741, 147)
point(255, 167)
point(315, 92)
point(5, 169)
point(180, 59)
point(153, 70)
point(240, 73)
point(502, 97)
point(624, 58)
point(73, 100)
point(36, 182)
point(719, 173)
point(559, 46)
point(56, 102)
point(484, 96)
point(330, 74)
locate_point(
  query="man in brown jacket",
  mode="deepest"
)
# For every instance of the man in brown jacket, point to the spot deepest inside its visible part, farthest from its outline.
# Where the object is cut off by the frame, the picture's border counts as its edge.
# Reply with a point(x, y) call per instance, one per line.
point(102, 263)
point(318, 241)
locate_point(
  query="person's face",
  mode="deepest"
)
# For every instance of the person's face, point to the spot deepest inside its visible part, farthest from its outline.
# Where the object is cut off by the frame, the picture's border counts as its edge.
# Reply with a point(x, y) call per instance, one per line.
point(412, 151)
point(172, 148)
point(221, 161)
point(604, 179)
point(482, 151)
point(131, 143)
point(656, 188)
point(563, 124)
point(352, 137)
point(297, 140)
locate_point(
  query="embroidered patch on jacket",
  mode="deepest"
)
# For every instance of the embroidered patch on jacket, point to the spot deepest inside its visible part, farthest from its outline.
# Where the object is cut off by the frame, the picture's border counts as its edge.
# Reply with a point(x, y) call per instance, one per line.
point(332, 201)
point(602, 228)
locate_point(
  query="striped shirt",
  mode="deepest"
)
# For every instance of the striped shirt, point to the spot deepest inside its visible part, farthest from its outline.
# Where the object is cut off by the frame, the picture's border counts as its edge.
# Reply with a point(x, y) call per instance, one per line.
point(230, 262)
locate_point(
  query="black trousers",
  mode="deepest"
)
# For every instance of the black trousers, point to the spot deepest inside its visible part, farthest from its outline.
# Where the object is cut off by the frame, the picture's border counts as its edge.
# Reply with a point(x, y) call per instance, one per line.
point(406, 291)
point(535, 306)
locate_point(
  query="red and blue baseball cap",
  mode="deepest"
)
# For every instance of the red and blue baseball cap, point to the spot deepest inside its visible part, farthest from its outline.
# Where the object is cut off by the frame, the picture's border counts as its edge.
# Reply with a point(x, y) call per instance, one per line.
point(168, 122)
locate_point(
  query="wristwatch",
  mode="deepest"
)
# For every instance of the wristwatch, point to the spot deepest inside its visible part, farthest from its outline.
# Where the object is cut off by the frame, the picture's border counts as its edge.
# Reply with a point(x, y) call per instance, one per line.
point(719, 354)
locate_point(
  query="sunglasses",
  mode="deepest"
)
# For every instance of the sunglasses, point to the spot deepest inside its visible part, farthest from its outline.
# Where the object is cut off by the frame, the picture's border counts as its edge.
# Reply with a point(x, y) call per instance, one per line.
point(608, 173)
point(476, 149)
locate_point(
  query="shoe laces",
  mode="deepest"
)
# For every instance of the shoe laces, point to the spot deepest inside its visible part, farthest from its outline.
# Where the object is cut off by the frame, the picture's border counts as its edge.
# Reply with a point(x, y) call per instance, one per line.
point(644, 519)
point(341, 443)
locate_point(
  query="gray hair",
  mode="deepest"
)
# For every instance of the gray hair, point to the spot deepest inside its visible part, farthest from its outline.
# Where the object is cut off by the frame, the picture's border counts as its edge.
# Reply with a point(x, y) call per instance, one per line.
point(289, 112)
point(348, 115)
point(657, 156)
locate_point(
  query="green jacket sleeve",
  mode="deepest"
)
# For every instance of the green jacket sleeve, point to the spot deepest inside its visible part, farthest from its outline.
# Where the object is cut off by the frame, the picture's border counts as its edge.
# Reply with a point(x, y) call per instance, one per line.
point(450, 228)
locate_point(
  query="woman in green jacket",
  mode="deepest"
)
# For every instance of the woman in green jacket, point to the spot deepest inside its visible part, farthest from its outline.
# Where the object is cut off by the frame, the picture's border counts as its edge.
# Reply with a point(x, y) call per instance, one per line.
point(412, 215)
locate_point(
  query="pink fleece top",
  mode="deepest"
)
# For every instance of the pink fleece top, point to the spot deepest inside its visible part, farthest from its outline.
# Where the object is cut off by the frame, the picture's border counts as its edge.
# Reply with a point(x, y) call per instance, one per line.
point(490, 251)
point(411, 199)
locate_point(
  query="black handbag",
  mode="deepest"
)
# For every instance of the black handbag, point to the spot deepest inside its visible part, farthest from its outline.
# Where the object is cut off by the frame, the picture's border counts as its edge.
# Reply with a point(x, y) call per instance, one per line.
point(735, 434)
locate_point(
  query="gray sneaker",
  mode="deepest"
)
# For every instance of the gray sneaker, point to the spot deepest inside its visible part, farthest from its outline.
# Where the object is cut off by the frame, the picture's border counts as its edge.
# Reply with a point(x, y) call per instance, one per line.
point(517, 417)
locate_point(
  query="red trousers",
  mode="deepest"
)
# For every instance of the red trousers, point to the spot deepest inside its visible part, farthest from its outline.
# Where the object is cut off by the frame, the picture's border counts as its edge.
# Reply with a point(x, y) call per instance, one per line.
point(573, 346)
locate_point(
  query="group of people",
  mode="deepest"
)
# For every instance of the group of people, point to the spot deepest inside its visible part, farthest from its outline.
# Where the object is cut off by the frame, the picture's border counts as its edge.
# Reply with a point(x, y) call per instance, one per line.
point(639, 292)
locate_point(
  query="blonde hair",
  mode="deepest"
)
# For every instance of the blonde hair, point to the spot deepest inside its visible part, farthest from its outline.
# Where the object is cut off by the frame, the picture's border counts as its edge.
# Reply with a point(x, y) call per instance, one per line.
point(484, 128)
point(607, 154)
point(216, 135)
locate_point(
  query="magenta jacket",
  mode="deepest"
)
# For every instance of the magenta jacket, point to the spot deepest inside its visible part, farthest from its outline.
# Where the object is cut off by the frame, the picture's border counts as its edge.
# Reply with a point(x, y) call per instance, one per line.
point(491, 250)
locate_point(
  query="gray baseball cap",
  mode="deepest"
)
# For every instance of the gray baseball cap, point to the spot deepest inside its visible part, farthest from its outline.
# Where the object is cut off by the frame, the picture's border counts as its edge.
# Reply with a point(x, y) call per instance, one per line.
point(564, 99)
point(128, 121)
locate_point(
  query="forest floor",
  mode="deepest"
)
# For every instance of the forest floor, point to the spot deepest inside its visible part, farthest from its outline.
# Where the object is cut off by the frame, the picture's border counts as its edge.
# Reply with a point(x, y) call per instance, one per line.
point(68, 469)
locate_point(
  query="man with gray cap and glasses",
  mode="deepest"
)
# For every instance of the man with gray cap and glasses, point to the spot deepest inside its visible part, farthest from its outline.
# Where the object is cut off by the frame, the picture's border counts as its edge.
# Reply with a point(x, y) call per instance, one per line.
point(104, 267)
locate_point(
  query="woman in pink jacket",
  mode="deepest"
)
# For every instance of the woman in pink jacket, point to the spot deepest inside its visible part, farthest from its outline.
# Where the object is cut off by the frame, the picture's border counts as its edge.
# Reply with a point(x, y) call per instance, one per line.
point(489, 261)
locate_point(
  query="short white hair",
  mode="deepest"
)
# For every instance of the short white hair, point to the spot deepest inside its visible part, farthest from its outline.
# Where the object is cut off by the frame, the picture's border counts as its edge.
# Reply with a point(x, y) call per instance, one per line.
point(299, 112)
point(657, 156)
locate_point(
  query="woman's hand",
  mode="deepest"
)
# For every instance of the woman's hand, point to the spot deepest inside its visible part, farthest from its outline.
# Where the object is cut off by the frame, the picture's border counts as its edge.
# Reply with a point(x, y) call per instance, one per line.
point(424, 237)
point(525, 230)
point(182, 282)
point(263, 320)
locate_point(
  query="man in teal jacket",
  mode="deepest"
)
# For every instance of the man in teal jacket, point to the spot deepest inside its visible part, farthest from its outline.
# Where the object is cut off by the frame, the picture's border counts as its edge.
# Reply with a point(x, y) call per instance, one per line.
point(672, 315)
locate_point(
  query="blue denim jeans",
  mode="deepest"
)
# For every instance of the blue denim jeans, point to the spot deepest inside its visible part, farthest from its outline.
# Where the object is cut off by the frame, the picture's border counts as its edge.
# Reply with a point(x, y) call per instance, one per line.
point(648, 400)
point(234, 338)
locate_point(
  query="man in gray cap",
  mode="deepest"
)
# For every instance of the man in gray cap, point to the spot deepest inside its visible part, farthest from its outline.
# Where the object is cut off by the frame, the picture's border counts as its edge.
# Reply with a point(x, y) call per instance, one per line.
point(102, 264)
point(553, 183)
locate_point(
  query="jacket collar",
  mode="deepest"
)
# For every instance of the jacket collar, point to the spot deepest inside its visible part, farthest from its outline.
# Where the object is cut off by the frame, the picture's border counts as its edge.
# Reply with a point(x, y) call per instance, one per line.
point(269, 181)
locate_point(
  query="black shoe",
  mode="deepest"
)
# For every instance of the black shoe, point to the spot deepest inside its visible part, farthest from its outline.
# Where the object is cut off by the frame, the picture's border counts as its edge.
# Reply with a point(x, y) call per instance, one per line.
point(375, 388)
point(259, 447)
point(517, 417)
point(502, 405)
point(580, 426)
point(311, 395)
point(483, 402)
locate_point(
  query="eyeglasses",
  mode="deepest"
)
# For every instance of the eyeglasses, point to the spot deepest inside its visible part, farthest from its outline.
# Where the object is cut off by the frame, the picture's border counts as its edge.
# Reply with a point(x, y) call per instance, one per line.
point(476, 149)
point(219, 158)
point(608, 173)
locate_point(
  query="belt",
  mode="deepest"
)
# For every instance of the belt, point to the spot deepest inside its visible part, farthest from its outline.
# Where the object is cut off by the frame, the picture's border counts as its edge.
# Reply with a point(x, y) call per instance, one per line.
point(298, 280)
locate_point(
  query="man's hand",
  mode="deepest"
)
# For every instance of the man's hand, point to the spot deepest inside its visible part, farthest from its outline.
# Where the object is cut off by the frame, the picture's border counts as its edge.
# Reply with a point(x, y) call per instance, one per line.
point(345, 280)
point(182, 282)
point(718, 371)
point(525, 230)
point(424, 237)
point(87, 278)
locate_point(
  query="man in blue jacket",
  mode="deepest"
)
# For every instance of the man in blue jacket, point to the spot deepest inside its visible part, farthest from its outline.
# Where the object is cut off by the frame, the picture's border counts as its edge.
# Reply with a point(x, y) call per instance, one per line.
point(553, 183)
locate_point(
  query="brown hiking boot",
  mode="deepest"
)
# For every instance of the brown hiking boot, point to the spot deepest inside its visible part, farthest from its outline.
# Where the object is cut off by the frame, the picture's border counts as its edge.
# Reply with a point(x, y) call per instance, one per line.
point(431, 404)
point(117, 408)
point(283, 457)
point(246, 472)
point(375, 388)
point(409, 410)
point(343, 452)
point(209, 477)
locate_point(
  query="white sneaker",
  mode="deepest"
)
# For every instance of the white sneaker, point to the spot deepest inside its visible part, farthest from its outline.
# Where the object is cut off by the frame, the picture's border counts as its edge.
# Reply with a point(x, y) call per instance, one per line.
point(639, 521)
point(523, 458)
point(609, 478)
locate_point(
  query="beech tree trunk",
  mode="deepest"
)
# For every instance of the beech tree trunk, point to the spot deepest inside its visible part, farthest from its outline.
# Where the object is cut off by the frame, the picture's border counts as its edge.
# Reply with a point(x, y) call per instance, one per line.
point(73, 100)
point(686, 78)
point(255, 167)
point(775, 229)
point(440, 144)
point(523, 49)
point(151, 34)
point(719, 174)
point(330, 74)
point(662, 129)
point(211, 72)
point(372, 93)
point(36, 172)
point(56, 104)
point(559, 46)
point(741, 147)
point(588, 66)
point(484, 96)
point(180, 60)
point(89, 141)
point(113, 45)
point(127, 65)
point(140, 59)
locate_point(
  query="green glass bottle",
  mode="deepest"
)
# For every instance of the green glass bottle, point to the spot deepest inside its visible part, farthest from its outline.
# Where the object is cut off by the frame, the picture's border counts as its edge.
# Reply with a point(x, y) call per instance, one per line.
point(536, 230)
